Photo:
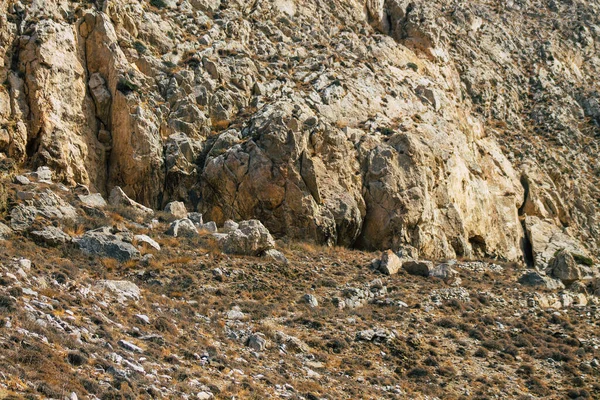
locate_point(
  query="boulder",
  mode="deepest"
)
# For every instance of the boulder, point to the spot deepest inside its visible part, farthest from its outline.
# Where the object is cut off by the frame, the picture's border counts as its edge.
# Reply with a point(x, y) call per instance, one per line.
point(5, 231)
point(230, 226)
point(22, 180)
point(536, 279)
point(276, 256)
point(311, 300)
point(119, 198)
point(51, 236)
point(389, 263)
point(124, 290)
point(251, 239)
point(177, 209)
point(196, 218)
point(210, 227)
point(102, 243)
point(257, 342)
point(419, 268)
point(443, 271)
point(147, 240)
point(43, 174)
point(564, 267)
point(93, 200)
point(547, 239)
point(182, 228)
point(46, 204)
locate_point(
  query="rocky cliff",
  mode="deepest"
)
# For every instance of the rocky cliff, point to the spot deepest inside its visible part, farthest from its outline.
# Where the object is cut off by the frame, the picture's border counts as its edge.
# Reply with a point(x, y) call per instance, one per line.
point(459, 128)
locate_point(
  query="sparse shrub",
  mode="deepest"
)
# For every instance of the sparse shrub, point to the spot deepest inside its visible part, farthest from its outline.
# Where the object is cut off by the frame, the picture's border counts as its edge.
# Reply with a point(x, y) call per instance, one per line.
point(481, 353)
point(125, 86)
point(580, 259)
point(76, 358)
point(158, 3)
point(578, 394)
point(446, 323)
point(492, 345)
point(525, 370)
point(140, 47)
point(412, 66)
point(162, 324)
point(386, 131)
point(7, 305)
point(418, 373)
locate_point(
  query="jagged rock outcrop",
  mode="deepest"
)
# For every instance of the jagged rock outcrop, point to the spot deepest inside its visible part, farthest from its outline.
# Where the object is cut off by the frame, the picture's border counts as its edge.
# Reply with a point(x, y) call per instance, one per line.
point(367, 123)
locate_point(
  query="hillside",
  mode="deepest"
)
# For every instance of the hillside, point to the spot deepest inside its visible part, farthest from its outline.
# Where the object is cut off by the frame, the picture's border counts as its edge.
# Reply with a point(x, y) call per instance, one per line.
point(222, 159)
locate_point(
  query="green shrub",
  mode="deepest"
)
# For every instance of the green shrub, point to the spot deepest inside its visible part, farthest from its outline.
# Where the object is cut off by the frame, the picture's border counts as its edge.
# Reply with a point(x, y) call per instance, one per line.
point(158, 3)
point(140, 47)
point(126, 86)
point(579, 259)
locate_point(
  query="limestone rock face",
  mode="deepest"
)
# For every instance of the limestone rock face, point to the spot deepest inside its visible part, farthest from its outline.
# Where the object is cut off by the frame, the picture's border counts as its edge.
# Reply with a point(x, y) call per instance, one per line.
point(402, 131)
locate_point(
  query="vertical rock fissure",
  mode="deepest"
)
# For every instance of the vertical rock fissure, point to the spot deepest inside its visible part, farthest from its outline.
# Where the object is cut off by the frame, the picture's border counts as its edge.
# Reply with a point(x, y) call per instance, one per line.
point(526, 246)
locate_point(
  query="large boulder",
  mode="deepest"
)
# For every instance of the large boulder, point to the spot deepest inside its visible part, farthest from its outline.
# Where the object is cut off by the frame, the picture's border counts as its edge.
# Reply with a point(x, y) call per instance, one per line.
point(103, 243)
point(176, 209)
point(93, 200)
point(51, 236)
point(251, 239)
point(389, 263)
point(45, 204)
point(538, 280)
point(182, 228)
point(564, 267)
point(419, 268)
point(547, 240)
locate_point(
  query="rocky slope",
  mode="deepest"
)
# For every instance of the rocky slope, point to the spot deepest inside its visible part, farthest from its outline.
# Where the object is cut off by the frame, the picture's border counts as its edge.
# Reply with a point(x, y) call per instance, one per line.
point(110, 300)
point(460, 129)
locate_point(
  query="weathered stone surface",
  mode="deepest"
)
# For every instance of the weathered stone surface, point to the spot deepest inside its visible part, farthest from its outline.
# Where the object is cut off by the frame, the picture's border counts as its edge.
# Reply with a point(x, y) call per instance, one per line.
point(389, 263)
point(101, 242)
point(401, 151)
point(257, 342)
point(420, 268)
point(564, 267)
point(119, 198)
point(93, 200)
point(5, 231)
point(123, 290)
point(276, 256)
point(536, 279)
point(45, 204)
point(547, 240)
point(182, 228)
point(251, 238)
point(177, 209)
point(51, 236)
point(147, 240)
